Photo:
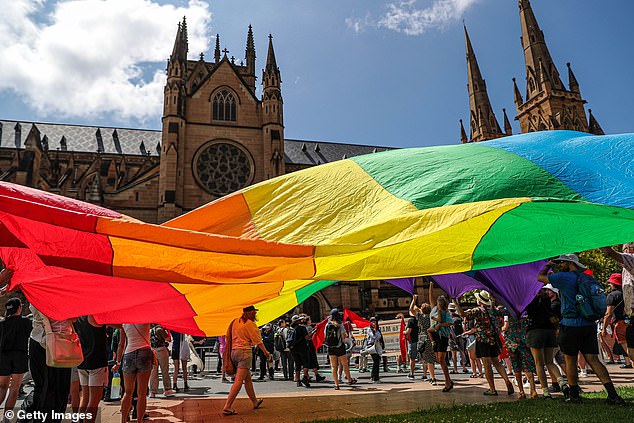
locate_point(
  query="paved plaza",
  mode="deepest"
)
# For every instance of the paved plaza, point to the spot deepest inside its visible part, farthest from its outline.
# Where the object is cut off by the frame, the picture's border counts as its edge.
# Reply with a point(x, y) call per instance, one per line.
point(284, 402)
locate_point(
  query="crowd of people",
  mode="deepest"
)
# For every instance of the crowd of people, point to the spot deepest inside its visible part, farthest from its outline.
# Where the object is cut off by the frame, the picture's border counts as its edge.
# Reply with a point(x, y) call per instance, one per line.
point(555, 341)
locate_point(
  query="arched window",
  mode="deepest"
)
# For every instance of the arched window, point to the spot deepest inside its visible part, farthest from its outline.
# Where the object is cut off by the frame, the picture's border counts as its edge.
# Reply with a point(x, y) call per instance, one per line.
point(224, 106)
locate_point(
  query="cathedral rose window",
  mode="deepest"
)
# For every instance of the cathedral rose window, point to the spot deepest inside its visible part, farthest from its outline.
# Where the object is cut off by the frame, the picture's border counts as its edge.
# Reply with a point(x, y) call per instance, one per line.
point(222, 168)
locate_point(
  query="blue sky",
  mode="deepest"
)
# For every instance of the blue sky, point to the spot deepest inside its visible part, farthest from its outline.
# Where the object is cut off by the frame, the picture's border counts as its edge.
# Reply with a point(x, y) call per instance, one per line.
point(389, 73)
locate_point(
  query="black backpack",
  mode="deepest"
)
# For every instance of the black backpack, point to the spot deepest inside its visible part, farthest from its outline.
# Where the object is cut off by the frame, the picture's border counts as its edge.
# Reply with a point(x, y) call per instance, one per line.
point(290, 338)
point(332, 336)
point(280, 342)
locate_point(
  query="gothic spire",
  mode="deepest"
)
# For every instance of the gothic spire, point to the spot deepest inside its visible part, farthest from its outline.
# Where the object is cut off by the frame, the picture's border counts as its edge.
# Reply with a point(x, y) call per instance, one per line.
point(572, 80)
point(486, 126)
point(593, 125)
point(517, 95)
point(535, 50)
point(179, 52)
point(217, 50)
point(271, 64)
point(250, 52)
point(463, 134)
point(508, 130)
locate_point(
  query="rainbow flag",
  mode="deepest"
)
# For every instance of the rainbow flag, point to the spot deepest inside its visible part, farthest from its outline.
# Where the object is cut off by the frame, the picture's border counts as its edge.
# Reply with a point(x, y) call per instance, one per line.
point(396, 214)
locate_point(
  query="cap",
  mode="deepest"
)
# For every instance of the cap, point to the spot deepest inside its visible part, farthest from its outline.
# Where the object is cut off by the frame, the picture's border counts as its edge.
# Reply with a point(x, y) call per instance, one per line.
point(249, 308)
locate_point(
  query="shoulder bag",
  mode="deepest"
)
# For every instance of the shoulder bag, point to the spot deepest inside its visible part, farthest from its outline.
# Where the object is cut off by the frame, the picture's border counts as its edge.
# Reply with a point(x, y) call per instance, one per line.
point(62, 349)
point(228, 365)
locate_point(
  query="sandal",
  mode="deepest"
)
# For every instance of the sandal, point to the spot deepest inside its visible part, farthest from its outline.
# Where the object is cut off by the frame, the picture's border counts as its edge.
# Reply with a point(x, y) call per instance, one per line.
point(473, 376)
point(522, 396)
point(230, 412)
point(336, 387)
point(352, 381)
point(258, 404)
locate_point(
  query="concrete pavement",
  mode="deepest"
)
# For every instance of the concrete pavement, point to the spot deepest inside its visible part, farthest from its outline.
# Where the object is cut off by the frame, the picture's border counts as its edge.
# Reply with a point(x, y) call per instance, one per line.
point(285, 402)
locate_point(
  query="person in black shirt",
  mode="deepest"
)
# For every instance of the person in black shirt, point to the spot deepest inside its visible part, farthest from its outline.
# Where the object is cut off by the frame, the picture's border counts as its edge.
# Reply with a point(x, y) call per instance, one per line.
point(299, 350)
point(411, 334)
point(268, 339)
point(616, 312)
point(541, 337)
point(93, 371)
point(14, 359)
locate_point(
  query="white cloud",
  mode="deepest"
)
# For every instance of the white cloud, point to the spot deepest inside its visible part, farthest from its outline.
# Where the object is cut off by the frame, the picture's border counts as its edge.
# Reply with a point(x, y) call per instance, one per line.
point(404, 16)
point(87, 57)
point(359, 25)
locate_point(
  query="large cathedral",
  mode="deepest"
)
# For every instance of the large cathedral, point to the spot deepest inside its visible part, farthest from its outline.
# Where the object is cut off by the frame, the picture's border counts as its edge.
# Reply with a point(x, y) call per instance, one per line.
point(220, 135)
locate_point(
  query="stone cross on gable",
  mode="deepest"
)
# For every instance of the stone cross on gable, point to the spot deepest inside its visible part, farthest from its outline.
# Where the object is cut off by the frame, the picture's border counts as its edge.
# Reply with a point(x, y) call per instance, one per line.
point(225, 51)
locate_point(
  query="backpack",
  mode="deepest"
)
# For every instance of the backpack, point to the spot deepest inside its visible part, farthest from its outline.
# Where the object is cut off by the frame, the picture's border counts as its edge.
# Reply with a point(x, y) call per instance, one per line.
point(290, 338)
point(280, 342)
point(591, 301)
point(333, 339)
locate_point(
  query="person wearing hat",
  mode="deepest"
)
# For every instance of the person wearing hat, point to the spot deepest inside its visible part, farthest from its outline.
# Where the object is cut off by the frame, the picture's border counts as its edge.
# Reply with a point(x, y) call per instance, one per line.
point(626, 259)
point(488, 343)
point(242, 335)
point(299, 349)
point(576, 334)
point(14, 358)
point(616, 313)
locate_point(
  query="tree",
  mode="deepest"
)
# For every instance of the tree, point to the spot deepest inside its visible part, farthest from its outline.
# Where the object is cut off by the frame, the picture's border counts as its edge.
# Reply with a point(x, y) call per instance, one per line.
point(601, 265)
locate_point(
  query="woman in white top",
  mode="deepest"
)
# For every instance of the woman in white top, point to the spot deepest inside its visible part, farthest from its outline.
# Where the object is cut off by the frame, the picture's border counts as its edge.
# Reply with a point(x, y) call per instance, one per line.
point(137, 357)
point(243, 334)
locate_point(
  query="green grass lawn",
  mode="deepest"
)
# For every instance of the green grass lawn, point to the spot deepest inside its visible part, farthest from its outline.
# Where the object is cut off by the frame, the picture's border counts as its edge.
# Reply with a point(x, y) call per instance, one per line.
point(593, 409)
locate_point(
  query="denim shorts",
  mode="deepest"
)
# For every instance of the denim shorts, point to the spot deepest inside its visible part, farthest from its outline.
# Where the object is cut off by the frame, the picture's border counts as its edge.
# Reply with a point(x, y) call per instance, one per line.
point(242, 358)
point(138, 361)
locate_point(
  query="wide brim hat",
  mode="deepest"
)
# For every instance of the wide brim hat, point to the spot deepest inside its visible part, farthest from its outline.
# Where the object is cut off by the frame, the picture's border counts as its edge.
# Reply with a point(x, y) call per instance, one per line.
point(249, 308)
point(572, 258)
point(484, 297)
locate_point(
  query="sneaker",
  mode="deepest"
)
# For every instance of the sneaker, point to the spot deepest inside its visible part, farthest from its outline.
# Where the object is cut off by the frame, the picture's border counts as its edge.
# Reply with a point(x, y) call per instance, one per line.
point(547, 395)
point(617, 400)
point(320, 378)
point(169, 393)
point(565, 389)
point(610, 362)
point(299, 383)
point(424, 377)
point(555, 387)
point(490, 393)
point(410, 377)
point(306, 382)
point(376, 381)
point(625, 366)
point(584, 373)
point(572, 400)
